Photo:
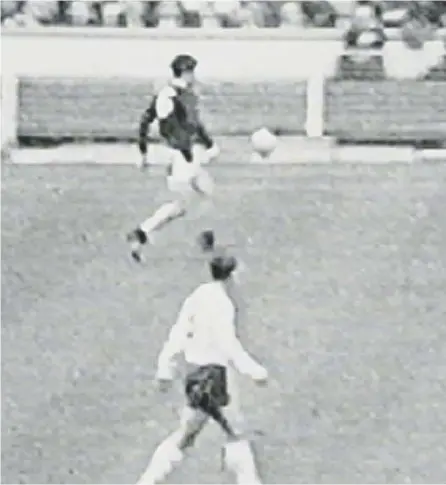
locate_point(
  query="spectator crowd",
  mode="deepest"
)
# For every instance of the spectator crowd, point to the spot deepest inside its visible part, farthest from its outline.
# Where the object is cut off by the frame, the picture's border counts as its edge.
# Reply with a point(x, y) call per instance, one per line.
point(369, 16)
point(365, 25)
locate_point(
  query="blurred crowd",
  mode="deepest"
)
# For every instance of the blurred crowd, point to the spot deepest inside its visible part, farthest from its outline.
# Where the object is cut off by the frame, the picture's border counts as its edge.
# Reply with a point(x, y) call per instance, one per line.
point(365, 21)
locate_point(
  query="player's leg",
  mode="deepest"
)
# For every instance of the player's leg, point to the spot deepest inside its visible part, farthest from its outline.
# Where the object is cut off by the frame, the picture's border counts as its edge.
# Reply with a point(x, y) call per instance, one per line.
point(214, 389)
point(239, 460)
point(238, 453)
point(203, 186)
point(170, 452)
point(192, 187)
point(203, 183)
point(144, 233)
point(178, 177)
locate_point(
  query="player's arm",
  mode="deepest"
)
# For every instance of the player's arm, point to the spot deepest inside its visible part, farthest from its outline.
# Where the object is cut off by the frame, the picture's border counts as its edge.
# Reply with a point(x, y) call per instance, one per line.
point(174, 344)
point(203, 135)
point(235, 351)
point(205, 138)
point(147, 119)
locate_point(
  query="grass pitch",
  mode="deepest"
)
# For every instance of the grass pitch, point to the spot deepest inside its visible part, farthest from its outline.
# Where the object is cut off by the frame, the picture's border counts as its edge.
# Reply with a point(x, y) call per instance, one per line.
point(346, 284)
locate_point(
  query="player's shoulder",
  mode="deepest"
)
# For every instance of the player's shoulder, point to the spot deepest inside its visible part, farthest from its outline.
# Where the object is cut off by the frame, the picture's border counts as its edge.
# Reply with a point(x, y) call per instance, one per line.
point(175, 88)
point(213, 296)
point(200, 292)
point(165, 101)
point(166, 91)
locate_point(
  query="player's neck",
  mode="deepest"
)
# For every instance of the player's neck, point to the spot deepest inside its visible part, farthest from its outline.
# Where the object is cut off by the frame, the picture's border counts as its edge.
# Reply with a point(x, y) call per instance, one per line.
point(225, 285)
point(178, 83)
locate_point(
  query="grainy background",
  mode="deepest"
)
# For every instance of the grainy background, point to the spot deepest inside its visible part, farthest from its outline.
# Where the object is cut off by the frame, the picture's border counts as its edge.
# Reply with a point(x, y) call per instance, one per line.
point(346, 285)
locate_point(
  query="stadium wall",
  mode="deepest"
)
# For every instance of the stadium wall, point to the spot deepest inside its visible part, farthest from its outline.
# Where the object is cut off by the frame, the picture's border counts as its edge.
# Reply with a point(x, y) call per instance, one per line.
point(87, 84)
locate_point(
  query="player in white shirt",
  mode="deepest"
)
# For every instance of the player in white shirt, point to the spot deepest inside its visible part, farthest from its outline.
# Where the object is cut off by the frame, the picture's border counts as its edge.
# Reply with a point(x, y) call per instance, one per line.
point(205, 335)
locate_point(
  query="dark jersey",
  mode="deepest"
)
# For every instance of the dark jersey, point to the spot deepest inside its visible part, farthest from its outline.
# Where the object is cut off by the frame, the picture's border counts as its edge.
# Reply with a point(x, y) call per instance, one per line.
point(176, 109)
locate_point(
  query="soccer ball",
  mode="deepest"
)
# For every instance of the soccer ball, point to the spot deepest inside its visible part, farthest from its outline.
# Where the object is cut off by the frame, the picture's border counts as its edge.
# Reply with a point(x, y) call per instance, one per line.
point(263, 142)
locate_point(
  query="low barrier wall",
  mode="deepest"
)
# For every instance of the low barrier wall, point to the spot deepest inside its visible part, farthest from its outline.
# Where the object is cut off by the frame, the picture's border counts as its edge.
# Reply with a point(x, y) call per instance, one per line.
point(111, 109)
point(97, 109)
point(387, 110)
point(94, 84)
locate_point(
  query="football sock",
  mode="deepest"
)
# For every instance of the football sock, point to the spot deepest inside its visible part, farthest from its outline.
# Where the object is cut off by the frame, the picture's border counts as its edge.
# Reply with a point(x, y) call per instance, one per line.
point(239, 459)
point(163, 461)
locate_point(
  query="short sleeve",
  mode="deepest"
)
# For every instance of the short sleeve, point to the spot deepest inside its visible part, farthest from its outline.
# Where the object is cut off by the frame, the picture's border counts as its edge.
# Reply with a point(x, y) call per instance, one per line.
point(164, 103)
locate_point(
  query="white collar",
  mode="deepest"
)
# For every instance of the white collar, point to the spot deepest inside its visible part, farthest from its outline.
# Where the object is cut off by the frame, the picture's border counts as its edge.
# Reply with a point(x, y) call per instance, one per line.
point(179, 83)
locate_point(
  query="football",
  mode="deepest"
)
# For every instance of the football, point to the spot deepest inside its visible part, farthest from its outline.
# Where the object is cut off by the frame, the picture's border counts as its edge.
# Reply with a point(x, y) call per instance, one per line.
point(263, 142)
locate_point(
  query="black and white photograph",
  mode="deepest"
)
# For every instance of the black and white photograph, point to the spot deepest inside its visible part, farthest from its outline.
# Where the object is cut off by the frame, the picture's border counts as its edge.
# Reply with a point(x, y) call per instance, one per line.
point(223, 242)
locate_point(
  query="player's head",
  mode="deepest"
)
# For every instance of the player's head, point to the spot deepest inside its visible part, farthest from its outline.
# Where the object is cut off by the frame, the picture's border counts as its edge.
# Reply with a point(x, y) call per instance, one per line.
point(222, 265)
point(183, 67)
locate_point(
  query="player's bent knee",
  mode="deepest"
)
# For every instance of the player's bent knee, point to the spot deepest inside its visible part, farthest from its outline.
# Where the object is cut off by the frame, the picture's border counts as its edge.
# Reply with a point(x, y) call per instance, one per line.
point(203, 184)
point(179, 207)
point(188, 439)
point(191, 424)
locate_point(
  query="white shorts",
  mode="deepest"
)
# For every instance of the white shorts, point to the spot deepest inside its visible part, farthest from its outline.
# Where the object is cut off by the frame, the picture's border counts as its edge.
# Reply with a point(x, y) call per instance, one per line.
point(186, 178)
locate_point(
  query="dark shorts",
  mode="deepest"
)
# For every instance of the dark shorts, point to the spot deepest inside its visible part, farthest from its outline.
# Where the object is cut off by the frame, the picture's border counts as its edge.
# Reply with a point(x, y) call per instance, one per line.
point(207, 388)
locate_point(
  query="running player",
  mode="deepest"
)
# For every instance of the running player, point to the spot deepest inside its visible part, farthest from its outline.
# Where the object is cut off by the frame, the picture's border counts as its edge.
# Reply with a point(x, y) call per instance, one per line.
point(205, 335)
point(175, 107)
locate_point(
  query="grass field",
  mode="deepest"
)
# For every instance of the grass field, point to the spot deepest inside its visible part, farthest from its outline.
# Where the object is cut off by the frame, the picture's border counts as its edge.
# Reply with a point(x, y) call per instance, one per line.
point(346, 284)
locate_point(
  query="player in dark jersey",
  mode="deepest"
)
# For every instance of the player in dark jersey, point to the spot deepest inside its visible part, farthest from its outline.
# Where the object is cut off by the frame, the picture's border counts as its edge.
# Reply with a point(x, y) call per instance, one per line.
point(175, 107)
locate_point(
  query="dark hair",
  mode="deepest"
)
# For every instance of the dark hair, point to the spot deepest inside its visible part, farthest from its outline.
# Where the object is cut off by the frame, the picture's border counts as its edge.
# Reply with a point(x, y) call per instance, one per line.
point(183, 63)
point(222, 266)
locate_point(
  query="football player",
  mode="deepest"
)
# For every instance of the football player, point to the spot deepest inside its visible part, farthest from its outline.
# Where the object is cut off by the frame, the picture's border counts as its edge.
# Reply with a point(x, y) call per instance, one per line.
point(175, 107)
point(205, 335)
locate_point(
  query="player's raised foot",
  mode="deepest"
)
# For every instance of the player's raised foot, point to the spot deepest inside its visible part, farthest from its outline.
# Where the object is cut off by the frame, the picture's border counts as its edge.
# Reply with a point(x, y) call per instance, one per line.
point(206, 241)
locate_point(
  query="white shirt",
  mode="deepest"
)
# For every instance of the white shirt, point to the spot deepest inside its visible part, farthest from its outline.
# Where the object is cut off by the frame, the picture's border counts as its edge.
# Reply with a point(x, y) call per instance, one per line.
point(164, 101)
point(205, 334)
